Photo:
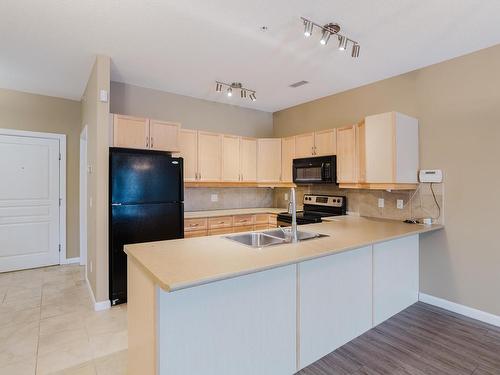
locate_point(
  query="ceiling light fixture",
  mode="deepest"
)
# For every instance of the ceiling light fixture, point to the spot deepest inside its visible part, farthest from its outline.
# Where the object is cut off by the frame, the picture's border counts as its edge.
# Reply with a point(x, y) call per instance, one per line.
point(244, 92)
point(327, 31)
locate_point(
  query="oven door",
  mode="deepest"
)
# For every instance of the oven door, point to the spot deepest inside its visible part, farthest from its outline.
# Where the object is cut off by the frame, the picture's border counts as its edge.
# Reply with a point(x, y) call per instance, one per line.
point(317, 170)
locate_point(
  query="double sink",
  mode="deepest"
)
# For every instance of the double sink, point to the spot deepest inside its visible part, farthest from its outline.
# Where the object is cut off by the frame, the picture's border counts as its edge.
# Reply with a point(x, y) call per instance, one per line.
point(271, 237)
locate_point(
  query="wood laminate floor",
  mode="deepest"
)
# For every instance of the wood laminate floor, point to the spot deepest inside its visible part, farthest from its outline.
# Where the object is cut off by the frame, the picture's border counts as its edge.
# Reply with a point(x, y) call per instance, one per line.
point(422, 339)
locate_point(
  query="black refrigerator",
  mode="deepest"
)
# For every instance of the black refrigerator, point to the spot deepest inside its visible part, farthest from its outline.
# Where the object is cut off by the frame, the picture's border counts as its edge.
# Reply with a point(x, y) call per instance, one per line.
point(146, 196)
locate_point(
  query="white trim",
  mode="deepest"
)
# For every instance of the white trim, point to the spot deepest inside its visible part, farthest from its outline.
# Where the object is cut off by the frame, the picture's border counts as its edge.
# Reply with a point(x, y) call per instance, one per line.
point(470, 312)
point(62, 179)
point(98, 306)
point(83, 196)
point(72, 260)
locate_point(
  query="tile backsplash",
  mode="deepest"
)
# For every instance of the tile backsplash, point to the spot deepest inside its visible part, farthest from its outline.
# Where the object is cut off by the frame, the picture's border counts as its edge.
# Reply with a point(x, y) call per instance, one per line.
point(200, 199)
point(365, 202)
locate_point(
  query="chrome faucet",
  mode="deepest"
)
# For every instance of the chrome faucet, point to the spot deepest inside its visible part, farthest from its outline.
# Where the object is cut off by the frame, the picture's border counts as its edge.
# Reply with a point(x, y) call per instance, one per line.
point(293, 205)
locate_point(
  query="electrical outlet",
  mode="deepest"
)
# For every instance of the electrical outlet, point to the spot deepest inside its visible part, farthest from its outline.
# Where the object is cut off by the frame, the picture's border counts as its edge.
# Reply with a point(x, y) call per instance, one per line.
point(214, 198)
point(381, 203)
point(286, 196)
point(399, 204)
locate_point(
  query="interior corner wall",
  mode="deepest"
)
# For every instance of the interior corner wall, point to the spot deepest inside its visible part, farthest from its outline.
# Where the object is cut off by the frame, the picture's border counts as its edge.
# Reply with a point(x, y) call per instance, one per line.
point(39, 113)
point(95, 114)
point(192, 113)
point(457, 104)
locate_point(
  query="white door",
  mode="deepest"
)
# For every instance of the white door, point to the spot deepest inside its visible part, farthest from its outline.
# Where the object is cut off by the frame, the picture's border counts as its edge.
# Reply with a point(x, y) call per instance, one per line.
point(29, 202)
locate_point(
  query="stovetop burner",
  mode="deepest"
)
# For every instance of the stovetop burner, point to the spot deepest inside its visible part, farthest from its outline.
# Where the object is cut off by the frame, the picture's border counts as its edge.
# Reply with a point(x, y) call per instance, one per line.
point(316, 207)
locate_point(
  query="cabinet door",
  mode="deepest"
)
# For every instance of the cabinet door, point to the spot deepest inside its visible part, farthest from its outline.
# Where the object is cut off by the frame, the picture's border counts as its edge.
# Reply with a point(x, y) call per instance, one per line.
point(380, 152)
point(188, 145)
point(248, 159)
point(269, 159)
point(230, 158)
point(164, 136)
point(209, 156)
point(304, 145)
point(346, 155)
point(287, 155)
point(131, 132)
point(325, 142)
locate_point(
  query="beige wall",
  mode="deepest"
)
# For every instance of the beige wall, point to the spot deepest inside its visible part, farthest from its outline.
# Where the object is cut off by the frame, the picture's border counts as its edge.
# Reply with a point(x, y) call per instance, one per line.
point(22, 111)
point(458, 104)
point(190, 112)
point(95, 115)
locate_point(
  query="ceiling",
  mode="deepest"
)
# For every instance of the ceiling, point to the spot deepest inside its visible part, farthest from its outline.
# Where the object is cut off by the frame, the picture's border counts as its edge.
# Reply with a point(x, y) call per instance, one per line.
point(183, 46)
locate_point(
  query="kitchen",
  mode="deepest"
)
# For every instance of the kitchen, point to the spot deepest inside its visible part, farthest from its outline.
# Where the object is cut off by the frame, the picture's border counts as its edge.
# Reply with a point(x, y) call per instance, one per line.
point(304, 214)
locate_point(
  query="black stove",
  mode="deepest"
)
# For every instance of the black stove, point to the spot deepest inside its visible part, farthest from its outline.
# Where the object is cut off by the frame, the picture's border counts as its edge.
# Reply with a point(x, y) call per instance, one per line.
point(316, 207)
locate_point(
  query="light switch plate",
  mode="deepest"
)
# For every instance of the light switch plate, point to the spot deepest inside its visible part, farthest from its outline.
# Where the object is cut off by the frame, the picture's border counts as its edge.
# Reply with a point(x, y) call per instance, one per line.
point(103, 96)
point(399, 204)
point(381, 203)
point(214, 198)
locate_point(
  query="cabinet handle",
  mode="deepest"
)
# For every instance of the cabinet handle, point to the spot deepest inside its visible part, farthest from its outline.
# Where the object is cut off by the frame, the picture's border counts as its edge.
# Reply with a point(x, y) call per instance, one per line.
point(147, 142)
point(193, 225)
point(152, 142)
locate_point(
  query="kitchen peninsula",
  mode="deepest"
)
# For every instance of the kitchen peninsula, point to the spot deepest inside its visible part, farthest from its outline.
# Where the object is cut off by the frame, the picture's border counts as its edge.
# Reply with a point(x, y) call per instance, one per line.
point(213, 306)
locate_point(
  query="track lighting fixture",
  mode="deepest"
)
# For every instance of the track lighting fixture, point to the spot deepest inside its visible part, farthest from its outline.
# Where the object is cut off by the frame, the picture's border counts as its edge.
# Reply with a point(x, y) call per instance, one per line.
point(327, 31)
point(244, 92)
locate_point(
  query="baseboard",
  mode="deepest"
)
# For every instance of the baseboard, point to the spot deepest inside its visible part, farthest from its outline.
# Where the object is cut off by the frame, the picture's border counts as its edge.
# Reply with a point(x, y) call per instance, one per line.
point(72, 260)
point(469, 312)
point(98, 306)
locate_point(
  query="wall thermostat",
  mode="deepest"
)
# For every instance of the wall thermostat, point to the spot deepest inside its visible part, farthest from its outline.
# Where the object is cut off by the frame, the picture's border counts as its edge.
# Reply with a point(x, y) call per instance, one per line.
point(430, 175)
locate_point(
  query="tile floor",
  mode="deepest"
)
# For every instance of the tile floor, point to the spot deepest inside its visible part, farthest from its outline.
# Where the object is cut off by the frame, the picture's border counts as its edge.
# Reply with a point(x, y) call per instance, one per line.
point(48, 326)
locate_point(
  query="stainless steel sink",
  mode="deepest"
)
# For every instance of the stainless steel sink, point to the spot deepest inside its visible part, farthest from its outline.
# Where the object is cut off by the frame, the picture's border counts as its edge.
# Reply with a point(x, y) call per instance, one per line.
point(256, 240)
point(286, 234)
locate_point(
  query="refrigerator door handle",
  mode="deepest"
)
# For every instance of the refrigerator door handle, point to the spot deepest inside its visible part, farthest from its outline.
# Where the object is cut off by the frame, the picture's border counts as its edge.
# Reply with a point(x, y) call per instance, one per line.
point(116, 204)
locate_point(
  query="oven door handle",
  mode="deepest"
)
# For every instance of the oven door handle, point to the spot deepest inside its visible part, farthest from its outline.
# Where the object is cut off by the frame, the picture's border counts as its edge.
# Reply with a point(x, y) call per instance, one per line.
point(323, 172)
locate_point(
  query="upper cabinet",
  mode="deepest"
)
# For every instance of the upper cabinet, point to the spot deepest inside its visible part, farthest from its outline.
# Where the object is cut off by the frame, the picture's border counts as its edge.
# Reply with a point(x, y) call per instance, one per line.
point(379, 153)
point(209, 156)
point(188, 146)
point(143, 133)
point(268, 159)
point(231, 158)
point(248, 159)
point(287, 155)
point(130, 132)
point(319, 143)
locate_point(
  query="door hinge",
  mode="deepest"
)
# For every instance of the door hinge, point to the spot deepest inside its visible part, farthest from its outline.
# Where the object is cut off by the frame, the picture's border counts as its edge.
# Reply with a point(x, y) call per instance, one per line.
point(59, 247)
point(59, 156)
point(60, 200)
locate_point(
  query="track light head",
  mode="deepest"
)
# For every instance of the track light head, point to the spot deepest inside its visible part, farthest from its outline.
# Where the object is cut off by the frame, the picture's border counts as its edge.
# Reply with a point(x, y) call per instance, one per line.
point(325, 37)
point(243, 93)
point(342, 43)
point(229, 92)
point(308, 28)
point(253, 97)
point(355, 50)
point(218, 87)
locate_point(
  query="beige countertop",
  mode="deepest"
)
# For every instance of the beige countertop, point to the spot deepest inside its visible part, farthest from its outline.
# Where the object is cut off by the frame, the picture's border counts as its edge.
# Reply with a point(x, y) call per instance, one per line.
point(184, 263)
point(235, 211)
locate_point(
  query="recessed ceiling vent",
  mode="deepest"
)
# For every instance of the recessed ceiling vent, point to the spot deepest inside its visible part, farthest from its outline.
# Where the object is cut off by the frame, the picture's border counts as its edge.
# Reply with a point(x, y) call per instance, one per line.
point(298, 84)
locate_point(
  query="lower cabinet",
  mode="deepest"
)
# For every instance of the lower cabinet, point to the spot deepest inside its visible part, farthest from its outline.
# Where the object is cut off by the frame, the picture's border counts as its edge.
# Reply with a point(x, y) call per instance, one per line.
point(199, 227)
point(335, 302)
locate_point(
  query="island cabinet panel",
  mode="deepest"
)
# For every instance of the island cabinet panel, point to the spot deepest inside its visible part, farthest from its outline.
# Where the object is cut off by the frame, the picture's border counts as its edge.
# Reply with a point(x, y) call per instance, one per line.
point(395, 277)
point(335, 302)
point(243, 326)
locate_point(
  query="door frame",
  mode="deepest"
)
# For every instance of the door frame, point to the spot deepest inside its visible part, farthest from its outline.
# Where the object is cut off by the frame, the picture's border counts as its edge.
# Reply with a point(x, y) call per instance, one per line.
point(83, 196)
point(62, 180)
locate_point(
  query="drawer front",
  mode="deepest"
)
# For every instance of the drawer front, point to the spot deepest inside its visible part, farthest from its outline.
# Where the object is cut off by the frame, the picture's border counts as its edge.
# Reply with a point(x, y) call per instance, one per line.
point(243, 228)
point(220, 222)
point(261, 226)
point(261, 218)
point(273, 220)
point(195, 233)
point(272, 226)
point(195, 224)
point(212, 232)
point(243, 220)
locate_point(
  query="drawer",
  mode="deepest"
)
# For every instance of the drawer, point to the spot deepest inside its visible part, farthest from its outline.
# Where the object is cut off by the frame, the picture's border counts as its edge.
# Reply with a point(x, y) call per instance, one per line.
point(261, 226)
point(272, 226)
point(195, 224)
point(261, 218)
point(243, 220)
point(220, 222)
point(273, 219)
point(195, 233)
point(243, 228)
point(212, 232)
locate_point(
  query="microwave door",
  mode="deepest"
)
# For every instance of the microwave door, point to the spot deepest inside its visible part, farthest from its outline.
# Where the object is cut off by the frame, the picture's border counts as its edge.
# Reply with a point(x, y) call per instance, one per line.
point(308, 173)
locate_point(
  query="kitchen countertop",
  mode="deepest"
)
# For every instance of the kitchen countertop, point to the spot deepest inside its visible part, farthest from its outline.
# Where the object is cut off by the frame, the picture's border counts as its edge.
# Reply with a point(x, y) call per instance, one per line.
point(184, 263)
point(234, 211)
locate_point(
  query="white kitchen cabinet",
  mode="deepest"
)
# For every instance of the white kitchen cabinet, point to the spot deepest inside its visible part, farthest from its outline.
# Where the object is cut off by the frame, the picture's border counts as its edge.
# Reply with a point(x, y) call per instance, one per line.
point(209, 156)
point(248, 159)
point(395, 277)
point(188, 145)
point(335, 302)
point(231, 158)
point(287, 155)
point(268, 159)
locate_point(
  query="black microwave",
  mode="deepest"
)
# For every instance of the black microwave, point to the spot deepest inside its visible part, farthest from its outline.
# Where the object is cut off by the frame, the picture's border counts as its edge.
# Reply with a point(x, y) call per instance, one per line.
point(315, 170)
